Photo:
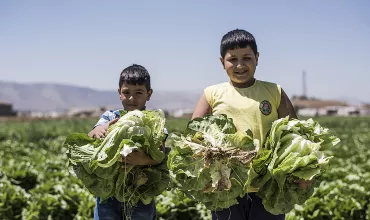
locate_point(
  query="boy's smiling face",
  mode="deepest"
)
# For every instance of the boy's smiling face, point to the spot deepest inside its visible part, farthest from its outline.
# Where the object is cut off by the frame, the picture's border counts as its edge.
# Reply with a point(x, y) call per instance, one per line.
point(134, 97)
point(240, 65)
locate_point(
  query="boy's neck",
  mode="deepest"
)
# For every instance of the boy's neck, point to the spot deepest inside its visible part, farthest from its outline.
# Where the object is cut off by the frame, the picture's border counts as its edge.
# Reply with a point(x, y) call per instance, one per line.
point(243, 85)
point(142, 109)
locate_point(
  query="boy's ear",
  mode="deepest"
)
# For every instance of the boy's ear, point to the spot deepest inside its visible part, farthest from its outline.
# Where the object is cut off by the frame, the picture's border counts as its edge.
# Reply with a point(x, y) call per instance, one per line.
point(222, 62)
point(119, 91)
point(150, 92)
point(257, 56)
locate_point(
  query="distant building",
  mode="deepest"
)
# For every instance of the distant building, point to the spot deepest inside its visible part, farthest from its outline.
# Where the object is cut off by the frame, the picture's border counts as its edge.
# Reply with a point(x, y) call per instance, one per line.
point(6, 110)
point(315, 107)
point(86, 112)
point(300, 103)
point(365, 109)
point(182, 113)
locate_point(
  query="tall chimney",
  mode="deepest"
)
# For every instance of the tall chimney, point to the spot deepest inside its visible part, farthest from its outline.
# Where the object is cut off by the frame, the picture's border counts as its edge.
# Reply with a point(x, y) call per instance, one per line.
point(304, 86)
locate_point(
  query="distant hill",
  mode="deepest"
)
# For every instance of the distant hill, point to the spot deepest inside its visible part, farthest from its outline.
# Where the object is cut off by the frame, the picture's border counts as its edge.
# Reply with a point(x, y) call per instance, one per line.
point(59, 97)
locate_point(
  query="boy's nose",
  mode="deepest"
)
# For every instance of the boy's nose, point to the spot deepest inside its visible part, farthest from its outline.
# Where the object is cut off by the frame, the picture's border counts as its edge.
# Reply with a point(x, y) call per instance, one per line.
point(239, 65)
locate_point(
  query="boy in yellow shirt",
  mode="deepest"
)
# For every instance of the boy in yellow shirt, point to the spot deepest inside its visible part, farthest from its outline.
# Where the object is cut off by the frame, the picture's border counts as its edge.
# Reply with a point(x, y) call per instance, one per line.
point(252, 104)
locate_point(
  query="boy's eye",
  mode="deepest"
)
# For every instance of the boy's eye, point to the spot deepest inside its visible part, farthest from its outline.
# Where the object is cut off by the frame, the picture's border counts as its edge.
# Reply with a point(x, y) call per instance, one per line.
point(139, 93)
point(232, 59)
point(125, 93)
point(247, 58)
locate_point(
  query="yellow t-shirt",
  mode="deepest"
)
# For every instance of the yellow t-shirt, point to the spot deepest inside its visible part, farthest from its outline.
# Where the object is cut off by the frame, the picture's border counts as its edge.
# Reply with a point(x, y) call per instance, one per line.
point(253, 108)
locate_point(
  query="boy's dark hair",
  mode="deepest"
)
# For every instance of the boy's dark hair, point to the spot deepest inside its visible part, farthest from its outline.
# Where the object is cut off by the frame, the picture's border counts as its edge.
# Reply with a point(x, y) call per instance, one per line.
point(237, 39)
point(135, 75)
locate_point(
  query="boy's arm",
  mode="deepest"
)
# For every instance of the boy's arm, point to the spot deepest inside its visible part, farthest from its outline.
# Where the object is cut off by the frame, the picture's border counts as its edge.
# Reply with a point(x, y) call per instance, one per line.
point(286, 107)
point(140, 158)
point(101, 127)
point(202, 108)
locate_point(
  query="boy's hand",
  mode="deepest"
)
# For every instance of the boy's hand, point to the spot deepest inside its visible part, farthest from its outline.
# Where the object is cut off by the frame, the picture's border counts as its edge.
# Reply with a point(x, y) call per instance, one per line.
point(138, 157)
point(304, 184)
point(100, 131)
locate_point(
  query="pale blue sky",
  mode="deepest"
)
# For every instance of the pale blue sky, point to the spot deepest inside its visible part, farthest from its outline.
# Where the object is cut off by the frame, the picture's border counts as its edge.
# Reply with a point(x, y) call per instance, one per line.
point(88, 43)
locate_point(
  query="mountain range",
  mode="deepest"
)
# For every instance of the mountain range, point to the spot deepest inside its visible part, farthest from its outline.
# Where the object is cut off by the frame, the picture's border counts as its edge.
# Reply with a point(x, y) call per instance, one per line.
point(46, 97)
point(60, 97)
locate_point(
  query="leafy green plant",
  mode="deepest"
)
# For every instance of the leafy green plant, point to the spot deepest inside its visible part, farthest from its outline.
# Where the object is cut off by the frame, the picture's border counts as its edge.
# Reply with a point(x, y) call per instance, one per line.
point(210, 161)
point(95, 161)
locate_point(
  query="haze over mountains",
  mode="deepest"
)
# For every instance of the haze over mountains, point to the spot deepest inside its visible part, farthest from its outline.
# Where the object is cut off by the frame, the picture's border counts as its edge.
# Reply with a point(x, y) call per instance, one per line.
point(46, 97)
point(59, 97)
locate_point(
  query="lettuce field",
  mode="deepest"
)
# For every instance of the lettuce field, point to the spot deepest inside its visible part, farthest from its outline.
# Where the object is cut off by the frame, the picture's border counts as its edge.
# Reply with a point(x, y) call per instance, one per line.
point(35, 182)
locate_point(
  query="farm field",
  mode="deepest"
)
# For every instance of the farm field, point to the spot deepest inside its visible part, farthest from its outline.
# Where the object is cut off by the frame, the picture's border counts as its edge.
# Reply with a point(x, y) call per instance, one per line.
point(35, 182)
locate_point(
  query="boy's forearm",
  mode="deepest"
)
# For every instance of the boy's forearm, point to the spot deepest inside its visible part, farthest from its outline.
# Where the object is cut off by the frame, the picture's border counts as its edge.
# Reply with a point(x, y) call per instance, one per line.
point(151, 161)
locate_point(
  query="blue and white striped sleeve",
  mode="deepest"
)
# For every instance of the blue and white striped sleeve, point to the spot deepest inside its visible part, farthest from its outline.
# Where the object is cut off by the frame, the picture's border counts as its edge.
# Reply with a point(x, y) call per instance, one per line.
point(106, 117)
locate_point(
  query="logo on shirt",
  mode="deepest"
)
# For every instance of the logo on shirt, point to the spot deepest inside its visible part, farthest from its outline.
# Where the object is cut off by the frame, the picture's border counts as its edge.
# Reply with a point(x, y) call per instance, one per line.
point(265, 107)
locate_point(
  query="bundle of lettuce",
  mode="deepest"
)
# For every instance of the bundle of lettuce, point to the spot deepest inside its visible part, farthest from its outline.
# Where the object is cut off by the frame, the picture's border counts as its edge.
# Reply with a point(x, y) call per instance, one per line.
point(294, 150)
point(96, 161)
point(210, 161)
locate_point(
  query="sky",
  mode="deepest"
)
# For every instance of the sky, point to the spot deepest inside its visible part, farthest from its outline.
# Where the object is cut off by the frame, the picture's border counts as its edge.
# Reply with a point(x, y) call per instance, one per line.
point(88, 43)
